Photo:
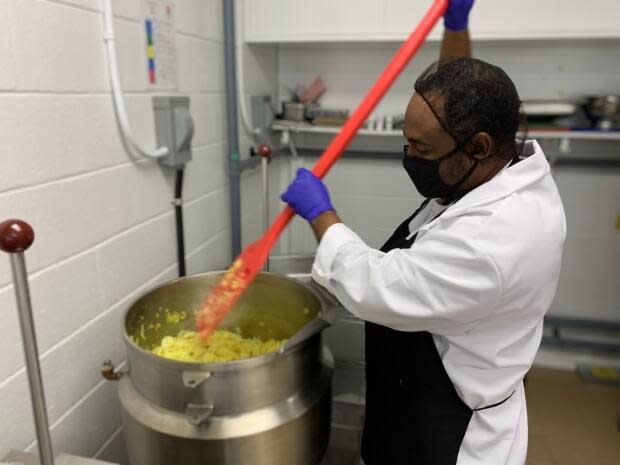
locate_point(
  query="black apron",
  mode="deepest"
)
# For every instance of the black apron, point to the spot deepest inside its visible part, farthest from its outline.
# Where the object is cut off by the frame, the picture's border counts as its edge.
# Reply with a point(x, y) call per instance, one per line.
point(414, 416)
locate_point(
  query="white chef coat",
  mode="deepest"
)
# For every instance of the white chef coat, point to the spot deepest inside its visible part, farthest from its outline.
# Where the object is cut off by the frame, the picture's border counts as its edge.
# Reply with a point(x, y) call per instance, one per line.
point(480, 278)
point(433, 209)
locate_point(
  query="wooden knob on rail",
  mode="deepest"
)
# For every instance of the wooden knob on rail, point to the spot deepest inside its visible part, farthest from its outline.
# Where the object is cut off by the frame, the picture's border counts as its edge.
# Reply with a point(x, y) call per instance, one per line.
point(264, 150)
point(15, 236)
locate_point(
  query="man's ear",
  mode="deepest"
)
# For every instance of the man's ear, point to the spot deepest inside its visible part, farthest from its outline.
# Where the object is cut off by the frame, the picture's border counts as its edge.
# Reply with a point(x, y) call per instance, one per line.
point(480, 146)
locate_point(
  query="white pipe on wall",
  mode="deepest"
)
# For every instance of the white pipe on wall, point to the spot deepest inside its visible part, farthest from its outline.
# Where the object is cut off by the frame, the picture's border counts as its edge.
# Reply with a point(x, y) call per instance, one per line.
point(245, 120)
point(115, 84)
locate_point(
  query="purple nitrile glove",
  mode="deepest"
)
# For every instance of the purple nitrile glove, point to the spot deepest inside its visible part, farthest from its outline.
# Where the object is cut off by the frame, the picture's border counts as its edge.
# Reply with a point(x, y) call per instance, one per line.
point(457, 15)
point(307, 195)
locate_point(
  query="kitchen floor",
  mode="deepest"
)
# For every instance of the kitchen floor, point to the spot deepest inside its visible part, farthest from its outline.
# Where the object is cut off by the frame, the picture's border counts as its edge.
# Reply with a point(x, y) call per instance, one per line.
point(571, 422)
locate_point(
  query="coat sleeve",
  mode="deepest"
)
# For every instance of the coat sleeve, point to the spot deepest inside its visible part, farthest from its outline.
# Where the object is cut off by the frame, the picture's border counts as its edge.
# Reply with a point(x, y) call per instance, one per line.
point(442, 284)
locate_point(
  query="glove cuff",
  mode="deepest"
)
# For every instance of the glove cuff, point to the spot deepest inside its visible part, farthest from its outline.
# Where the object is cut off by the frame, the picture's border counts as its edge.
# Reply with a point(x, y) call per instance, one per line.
point(455, 24)
point(319, 210)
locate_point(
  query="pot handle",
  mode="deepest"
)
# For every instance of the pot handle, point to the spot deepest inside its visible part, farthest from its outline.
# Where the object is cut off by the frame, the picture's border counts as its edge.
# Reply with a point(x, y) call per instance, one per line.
point(330, 303)
point(314, 326)
point(193, 379)
point(196, 413)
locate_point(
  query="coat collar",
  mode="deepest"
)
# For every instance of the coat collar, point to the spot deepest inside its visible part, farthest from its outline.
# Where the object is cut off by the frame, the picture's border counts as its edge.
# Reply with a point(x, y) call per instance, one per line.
point(531, 169)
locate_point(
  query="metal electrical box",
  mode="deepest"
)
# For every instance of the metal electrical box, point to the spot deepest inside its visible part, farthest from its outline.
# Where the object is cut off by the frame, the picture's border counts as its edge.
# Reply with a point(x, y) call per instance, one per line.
point(262, 112)
point(174, 128)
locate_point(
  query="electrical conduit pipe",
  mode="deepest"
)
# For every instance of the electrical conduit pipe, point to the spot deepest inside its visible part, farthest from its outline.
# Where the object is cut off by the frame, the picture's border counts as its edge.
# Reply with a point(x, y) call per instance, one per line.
point(235, 165)
point(109, 39)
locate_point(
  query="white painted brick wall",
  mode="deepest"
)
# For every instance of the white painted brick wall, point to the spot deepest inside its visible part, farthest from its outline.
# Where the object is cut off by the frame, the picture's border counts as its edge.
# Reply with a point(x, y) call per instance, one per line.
point(208, 173)
point(114, 449)
point(196, 19)
point(41, 125)
point(104, 224)
point(7, 76)
point(64, 298)
point(137, 254)
point(214, 255)
point(196, 70)
point(45, 48)
point(127, 9)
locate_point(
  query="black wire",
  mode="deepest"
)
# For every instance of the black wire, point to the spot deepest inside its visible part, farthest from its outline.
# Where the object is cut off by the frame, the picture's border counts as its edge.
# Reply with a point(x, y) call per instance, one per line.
point(178, 213)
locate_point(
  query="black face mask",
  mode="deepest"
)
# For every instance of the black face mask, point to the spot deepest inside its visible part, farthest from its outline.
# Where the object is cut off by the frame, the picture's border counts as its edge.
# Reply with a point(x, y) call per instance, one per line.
point(425, 175)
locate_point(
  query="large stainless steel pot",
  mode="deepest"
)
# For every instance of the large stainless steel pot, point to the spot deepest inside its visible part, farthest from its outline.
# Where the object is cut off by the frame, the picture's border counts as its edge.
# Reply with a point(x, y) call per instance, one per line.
point(268, 410)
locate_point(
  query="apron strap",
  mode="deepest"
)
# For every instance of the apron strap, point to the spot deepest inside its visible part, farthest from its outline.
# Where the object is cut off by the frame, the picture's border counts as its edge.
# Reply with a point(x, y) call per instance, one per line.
point(402, 230)
point(407, 243)
point(494, 405)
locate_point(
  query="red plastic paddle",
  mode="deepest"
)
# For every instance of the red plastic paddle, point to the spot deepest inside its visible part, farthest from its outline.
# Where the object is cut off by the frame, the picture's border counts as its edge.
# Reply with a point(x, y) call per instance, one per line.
point(243, 271)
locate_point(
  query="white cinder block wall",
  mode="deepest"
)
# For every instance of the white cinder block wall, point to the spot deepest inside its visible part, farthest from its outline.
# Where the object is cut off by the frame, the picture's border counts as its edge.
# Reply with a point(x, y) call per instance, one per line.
point(104, 225)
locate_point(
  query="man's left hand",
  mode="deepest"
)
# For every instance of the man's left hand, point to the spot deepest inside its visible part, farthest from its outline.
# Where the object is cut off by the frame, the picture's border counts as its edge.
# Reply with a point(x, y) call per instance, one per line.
point(457, 15)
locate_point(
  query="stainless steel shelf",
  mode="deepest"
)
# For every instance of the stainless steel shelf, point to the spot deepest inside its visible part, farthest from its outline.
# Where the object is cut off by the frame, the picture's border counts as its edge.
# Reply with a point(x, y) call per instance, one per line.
point(587, 149)
point(546, 134)
point(566, 161)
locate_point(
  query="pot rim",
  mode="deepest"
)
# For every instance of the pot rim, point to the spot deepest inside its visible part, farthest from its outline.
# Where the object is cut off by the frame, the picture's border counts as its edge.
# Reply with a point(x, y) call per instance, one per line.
point(231, 365)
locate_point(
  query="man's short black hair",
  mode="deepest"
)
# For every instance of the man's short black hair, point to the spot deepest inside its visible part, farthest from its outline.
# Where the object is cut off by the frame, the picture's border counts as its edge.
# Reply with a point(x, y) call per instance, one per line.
point(477, 96)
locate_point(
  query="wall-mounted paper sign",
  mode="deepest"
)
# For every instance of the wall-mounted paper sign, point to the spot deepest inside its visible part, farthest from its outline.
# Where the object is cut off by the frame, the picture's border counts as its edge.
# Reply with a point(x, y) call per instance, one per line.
point(161, 54)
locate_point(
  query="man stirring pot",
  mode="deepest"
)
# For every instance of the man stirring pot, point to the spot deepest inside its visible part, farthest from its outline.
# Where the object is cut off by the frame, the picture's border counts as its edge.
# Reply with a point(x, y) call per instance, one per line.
point(454, 300)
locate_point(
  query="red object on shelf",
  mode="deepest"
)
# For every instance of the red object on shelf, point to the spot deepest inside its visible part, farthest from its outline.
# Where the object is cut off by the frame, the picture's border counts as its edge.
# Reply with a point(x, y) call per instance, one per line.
point(313, 92)
point(241, 274)
point(15, 236)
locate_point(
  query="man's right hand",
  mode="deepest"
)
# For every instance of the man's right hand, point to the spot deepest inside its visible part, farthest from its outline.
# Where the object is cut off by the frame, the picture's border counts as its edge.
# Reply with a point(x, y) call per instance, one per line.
point(457, 15)
point(307, 195)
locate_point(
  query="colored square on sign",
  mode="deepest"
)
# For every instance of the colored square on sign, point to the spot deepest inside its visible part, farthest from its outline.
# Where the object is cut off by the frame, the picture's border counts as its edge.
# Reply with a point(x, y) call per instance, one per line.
point(150, 51)
point(149, 31)
point(152, 79)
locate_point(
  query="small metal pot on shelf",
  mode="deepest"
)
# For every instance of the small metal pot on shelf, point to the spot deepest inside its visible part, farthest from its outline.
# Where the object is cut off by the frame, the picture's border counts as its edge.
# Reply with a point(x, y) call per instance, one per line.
point(294, 111)
point(603, 110)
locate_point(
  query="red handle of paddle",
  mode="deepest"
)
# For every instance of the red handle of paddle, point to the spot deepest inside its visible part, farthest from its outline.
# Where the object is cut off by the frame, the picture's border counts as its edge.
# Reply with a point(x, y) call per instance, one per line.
point(355, 121)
